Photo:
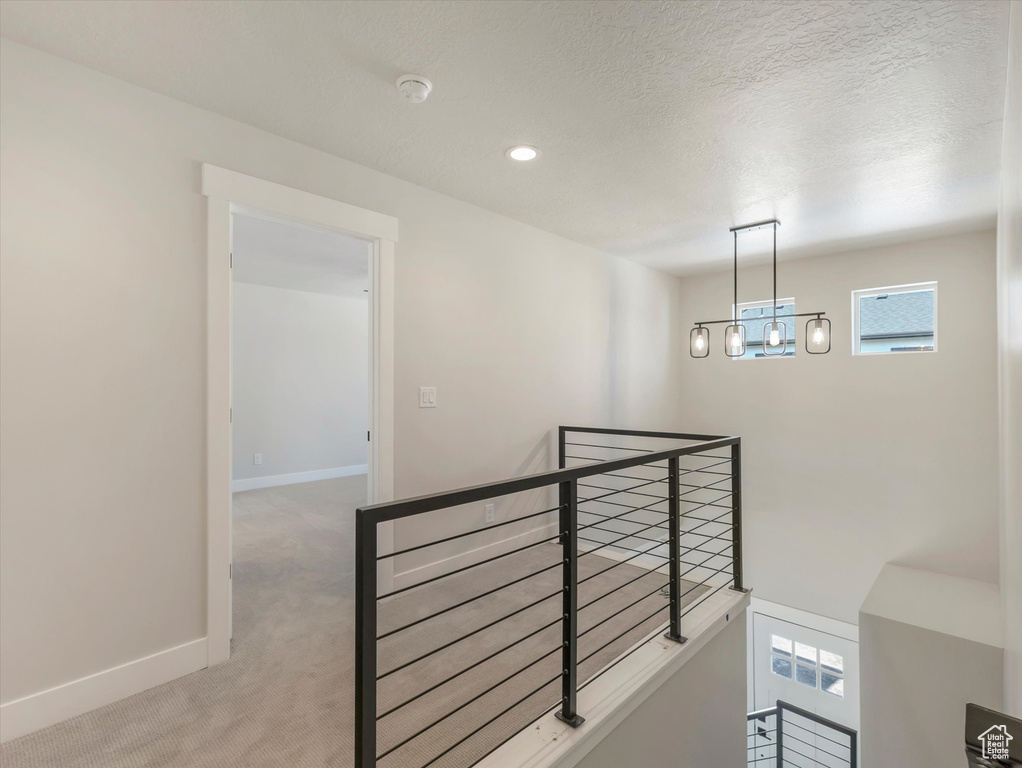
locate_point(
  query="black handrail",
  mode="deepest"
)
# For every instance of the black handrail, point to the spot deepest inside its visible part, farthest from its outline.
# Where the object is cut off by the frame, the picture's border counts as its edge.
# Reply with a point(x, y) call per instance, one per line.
point(777, 711)
point(417, 505)
point(566, 478)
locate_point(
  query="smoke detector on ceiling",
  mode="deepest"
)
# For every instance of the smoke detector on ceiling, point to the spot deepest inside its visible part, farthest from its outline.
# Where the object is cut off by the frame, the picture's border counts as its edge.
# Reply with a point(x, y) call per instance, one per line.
point(415, 88)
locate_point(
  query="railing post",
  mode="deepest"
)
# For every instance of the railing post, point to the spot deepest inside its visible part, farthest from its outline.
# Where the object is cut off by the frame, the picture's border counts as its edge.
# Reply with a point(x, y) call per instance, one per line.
point(560, 448)
point(779, 733)
point(674, 550)
point(736, 516)
point(568, 517)
point(365, 641)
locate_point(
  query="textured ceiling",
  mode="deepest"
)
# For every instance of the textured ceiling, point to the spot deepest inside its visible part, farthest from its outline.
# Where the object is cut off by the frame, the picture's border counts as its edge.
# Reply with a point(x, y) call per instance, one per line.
point(661, 123)
point(299, 258)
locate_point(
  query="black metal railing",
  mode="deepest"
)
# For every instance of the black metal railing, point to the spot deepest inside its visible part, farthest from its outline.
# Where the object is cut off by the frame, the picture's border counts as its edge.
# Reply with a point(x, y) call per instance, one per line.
point(461, 642)
point(786, 735)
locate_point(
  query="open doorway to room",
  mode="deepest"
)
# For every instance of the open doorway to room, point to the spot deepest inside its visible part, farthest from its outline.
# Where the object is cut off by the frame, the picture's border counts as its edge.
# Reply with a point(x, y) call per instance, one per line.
point(300, 365)
point(229, 193)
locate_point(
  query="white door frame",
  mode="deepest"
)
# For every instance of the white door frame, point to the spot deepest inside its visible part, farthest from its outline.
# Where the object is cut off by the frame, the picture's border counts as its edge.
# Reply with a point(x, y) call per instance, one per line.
point(228, 192)
point(812, 621)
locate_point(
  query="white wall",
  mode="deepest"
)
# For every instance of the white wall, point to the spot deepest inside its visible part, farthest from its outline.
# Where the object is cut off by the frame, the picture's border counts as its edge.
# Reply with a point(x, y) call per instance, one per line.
point(102, 304)
point(915, 685)
point(528, 342)
point(929, 644)
point(696, 719)
point(1009, 278)
point(300, 381)
point(853, 462)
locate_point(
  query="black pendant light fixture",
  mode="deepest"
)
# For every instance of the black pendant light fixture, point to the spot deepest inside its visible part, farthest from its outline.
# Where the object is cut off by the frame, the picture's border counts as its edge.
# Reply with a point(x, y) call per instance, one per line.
point(775, 332)
point(818, 336)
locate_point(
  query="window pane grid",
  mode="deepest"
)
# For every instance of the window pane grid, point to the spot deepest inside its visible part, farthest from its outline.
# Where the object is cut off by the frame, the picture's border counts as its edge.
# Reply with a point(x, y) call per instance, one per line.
point(818, 669)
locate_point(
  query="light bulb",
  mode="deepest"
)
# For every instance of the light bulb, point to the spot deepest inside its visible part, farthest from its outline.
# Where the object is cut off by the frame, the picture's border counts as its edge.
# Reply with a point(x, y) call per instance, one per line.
point(699, 341)
point(775, 336)
point(736, 340)
point(818, 336)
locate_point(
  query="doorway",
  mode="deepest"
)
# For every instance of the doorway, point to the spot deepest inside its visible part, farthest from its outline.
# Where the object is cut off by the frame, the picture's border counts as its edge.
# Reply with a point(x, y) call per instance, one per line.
point(228, 194)
point(299, 417)
point(816, 671)
point(805, 660)
point(299, 354)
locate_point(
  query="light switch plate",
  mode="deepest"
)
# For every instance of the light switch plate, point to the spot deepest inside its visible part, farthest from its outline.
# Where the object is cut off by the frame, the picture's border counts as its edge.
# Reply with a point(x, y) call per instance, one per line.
point(427, 397)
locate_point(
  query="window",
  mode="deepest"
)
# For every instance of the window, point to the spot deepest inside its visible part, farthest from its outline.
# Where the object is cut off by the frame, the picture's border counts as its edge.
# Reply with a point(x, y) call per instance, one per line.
point(808, 666)
point(755, 314)
point(901, 318)
point(780, 656)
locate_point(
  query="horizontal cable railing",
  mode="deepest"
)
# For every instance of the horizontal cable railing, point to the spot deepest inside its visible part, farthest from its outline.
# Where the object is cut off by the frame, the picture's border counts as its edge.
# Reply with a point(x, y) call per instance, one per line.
point(467, 633)
point(788, 736)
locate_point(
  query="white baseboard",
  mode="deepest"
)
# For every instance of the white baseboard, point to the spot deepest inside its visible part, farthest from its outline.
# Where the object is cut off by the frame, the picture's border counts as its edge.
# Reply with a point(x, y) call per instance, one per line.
point(38, 710)
point(269, 481)
point(462, 559)
point(649, 562)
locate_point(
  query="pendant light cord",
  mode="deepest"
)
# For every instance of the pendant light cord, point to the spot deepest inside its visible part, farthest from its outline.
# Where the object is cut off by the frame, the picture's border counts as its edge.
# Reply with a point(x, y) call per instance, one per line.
point(775, 271)
point(734, 309)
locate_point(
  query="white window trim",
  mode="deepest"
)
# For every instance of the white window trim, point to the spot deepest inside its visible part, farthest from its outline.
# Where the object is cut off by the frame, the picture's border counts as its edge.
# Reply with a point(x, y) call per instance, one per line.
point(736, 308)
point(889, 289)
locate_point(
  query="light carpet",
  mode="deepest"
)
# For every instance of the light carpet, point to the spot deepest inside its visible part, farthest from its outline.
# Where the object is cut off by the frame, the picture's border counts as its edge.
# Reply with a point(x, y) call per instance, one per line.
point(285, 698)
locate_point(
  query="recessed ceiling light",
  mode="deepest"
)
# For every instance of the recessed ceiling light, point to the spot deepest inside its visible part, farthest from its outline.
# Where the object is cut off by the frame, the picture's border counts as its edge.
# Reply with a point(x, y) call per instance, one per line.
point(522, 153)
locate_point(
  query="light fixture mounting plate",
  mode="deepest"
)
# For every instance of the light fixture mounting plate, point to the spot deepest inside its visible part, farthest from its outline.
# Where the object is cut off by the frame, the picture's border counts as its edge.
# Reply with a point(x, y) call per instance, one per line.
point(756, 225)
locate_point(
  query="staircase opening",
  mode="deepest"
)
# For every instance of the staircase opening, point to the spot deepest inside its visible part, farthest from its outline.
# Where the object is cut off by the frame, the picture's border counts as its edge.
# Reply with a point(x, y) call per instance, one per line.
point(564, 576)
point(786, 735)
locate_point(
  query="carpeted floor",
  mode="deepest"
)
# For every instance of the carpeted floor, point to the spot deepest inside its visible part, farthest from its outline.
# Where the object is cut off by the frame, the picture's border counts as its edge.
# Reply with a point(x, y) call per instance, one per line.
point(285, 698)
